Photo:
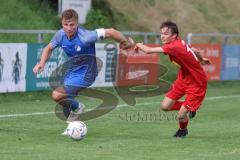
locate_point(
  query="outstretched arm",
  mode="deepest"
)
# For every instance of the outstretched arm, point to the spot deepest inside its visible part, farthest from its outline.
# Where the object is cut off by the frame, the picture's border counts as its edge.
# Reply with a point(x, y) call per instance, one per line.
point(45, 55)
point(147, 49)
point(125, 42)
point(115, 34)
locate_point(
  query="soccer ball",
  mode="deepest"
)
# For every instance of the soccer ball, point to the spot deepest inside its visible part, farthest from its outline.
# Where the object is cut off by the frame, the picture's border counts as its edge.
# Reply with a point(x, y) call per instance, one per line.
point(77, 130)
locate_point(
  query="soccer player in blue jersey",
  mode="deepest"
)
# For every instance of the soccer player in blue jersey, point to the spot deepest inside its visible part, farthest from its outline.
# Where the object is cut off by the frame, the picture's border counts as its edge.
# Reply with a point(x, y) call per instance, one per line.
point(77, 41)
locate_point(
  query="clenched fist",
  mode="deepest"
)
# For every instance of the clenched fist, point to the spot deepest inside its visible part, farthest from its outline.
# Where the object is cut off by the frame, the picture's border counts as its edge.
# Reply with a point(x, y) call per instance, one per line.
point(129, 43)
point(38, 68)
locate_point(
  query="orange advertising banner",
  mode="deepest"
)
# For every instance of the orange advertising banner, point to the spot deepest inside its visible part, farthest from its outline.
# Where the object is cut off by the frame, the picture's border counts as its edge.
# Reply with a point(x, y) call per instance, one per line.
point(213, 53)
point(137, 68)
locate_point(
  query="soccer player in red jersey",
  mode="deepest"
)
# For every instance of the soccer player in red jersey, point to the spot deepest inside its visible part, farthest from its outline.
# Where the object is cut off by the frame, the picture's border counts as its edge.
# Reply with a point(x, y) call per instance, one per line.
point(191, 80)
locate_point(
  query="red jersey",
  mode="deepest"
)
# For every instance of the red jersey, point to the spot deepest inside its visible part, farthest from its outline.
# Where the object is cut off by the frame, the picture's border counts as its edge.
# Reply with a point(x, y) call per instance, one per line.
point(191, 70)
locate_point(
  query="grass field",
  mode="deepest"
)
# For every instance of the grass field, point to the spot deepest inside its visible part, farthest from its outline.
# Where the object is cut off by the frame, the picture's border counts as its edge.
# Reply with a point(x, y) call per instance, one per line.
point(121, 134)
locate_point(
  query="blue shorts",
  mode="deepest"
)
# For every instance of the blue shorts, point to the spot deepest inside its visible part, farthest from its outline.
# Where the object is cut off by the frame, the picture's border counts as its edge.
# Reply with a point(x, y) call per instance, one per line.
point(76, 81)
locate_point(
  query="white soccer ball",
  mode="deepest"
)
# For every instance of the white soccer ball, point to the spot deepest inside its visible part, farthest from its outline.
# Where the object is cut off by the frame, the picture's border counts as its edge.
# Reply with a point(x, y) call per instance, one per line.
point(77, 130)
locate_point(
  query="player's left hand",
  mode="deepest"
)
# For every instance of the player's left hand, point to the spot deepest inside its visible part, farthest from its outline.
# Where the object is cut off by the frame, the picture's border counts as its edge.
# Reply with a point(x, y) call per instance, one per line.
point(206, 61)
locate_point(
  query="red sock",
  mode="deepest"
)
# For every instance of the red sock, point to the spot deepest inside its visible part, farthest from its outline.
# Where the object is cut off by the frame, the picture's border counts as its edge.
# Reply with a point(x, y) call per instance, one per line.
point(176, 106)
point(183, 125)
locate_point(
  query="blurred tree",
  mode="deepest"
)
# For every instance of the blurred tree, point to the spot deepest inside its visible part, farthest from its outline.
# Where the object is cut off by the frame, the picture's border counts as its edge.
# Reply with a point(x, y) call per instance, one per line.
point(96, 19)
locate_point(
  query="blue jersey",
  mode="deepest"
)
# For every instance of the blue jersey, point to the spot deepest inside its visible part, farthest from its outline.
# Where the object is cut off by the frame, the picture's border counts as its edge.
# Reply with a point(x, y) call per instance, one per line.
point(82, 67)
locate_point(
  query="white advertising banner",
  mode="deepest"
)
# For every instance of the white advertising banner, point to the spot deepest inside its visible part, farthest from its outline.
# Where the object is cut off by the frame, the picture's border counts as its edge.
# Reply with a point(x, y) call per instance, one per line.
point(106, 60)
point(3, 67)
point(80, 6)
point(13, 67)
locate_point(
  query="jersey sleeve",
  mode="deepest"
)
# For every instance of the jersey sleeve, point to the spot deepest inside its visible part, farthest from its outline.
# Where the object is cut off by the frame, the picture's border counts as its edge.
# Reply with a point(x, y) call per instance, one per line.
point(56, 39)
point(168, 49)
point(92, 36)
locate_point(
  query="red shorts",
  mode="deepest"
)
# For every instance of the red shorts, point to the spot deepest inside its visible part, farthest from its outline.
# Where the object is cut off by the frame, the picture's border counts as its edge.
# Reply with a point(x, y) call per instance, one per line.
point(194, 94)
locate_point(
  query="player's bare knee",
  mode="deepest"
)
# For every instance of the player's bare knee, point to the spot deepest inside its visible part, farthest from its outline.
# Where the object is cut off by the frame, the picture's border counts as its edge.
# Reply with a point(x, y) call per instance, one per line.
point(56, 96)
point(164, 107)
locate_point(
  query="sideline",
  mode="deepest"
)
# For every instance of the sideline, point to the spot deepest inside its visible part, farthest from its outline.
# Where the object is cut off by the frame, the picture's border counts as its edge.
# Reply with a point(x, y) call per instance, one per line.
point(123, 105)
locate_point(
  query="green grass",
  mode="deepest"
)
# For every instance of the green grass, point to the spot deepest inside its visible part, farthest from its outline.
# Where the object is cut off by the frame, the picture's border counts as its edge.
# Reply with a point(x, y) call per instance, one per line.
point(130, 15)
point(26, 14)
point(213, 134)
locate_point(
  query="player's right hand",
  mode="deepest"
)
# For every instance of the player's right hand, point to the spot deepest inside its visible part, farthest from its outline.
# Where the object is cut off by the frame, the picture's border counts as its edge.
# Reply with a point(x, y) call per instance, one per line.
point(206, 61)
point(38, 68)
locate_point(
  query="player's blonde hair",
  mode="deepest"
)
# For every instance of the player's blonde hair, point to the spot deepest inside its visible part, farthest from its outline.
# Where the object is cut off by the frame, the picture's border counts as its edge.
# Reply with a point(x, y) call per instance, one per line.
point(69, 14)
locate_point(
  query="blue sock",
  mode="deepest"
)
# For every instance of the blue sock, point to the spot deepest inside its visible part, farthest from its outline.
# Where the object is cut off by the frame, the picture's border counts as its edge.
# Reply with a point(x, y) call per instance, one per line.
point(72, 103)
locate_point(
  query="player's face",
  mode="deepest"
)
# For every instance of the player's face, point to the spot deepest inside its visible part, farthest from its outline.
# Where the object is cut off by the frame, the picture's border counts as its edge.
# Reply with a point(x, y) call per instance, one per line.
point(69, 27)
point(166, 35)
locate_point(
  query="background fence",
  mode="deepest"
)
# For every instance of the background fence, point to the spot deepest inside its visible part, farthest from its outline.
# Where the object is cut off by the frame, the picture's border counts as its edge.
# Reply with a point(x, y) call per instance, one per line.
point(18, 59)
point(147, 37)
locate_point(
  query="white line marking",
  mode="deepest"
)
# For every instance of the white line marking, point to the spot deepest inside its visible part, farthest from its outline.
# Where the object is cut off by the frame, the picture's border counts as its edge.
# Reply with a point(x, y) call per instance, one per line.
point(25, 114)
point(222, 97)
point(121, 105)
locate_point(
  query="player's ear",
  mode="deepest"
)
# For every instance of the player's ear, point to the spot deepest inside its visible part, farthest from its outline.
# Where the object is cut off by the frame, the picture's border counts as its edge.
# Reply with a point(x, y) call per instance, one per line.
point(175, 35)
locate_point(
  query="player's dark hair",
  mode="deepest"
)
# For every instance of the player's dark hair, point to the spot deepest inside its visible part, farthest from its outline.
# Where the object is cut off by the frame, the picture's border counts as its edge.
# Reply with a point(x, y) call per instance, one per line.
point(171, 25)
point(69, 14)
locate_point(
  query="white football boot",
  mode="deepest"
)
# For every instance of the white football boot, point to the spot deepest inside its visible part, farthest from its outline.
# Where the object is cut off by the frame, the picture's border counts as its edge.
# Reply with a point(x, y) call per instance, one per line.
point(74, 115)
